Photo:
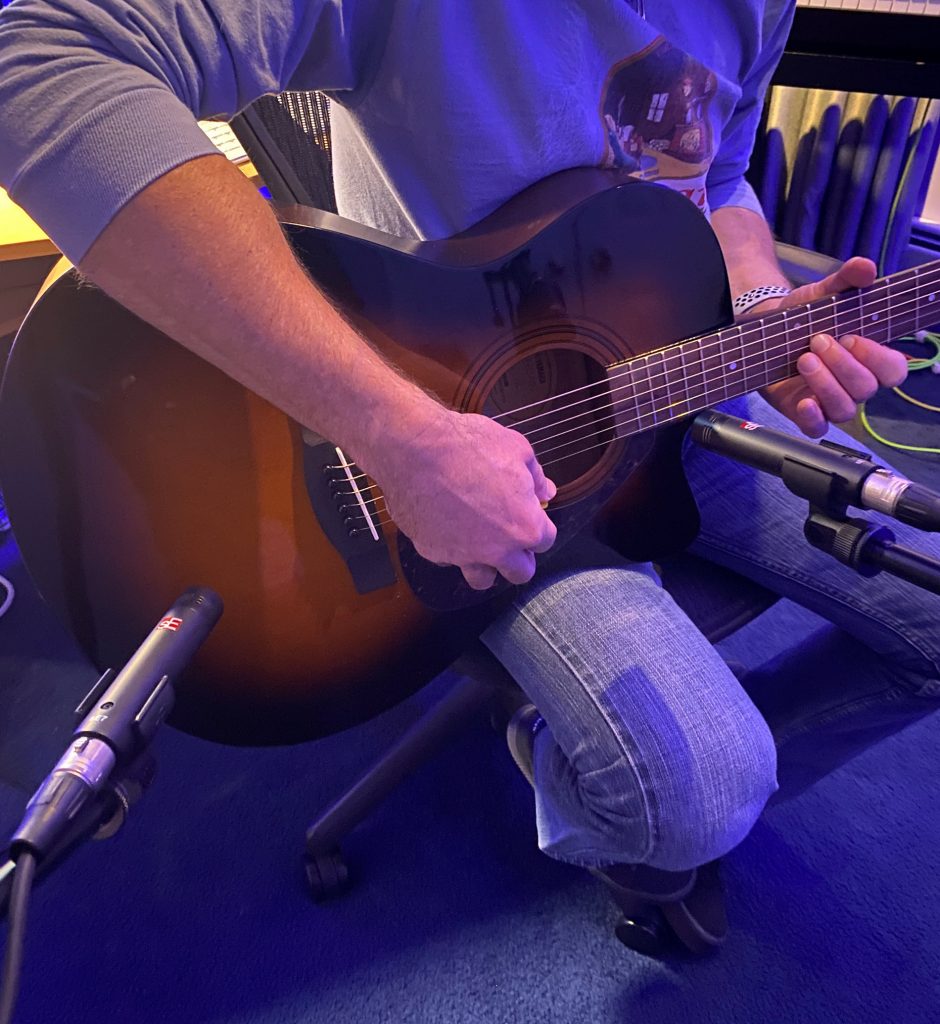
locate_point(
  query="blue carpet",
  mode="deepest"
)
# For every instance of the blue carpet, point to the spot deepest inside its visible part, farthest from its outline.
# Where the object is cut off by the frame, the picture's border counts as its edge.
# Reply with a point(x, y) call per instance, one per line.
point(197, 911)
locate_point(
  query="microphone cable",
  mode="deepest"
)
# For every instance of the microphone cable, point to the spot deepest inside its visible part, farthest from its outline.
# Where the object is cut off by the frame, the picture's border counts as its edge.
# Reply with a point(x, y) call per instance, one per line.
point(23, 875)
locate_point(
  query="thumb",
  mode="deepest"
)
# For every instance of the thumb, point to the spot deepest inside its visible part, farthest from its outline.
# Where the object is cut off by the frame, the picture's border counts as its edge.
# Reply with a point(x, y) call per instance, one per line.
point(858, 272)
point(545, 490)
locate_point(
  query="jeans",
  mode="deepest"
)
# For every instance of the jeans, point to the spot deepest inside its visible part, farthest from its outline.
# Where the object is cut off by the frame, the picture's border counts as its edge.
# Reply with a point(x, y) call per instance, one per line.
point(653, 751)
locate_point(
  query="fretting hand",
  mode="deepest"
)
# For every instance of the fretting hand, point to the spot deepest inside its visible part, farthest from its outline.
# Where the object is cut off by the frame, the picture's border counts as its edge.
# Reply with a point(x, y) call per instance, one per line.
point(836, 374)
point(468, 492)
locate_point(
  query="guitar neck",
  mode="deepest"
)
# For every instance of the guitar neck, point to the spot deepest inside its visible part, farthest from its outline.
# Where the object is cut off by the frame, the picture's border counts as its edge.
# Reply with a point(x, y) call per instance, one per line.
point(660, 387)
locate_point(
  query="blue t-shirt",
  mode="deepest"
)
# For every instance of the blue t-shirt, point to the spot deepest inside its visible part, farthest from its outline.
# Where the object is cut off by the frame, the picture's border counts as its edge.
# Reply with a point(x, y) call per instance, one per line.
point(442, 109)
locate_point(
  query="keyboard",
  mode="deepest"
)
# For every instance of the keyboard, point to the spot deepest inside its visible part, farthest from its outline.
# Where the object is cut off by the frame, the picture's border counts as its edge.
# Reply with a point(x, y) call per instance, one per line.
point(881, 6)
point(874, 46)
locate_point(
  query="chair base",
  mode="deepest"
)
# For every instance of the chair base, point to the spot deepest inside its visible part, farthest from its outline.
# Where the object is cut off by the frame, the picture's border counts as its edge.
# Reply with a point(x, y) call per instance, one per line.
point(646, 926)
point(481, 680)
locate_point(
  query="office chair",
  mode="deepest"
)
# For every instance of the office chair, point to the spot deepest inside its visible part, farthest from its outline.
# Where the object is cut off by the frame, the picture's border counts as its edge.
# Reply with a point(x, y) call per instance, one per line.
point(287, 137)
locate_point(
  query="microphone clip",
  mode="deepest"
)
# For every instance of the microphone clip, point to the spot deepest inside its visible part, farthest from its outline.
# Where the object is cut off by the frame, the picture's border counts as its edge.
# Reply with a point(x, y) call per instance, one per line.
point(832, 488)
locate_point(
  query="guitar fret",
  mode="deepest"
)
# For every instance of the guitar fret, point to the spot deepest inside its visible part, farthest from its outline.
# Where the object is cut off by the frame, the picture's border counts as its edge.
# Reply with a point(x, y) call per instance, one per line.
point(784, 364)
point(734, 364)
point(643, 398)
point(713, 389)
point(622, 395)
point(876, 321)
point(752, 356)
point(837, 330)
point(928, 299)
point(697, 390)
point(663, 390)
point(903, 302)
point(685, 378)
point(857, 328)
point(890, 324)
point(817, 321)
point(675, 404)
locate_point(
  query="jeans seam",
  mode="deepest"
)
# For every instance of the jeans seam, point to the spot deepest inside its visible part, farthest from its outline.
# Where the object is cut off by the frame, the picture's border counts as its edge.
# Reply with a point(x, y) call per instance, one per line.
point(797, 575)
point(646, 796)
point(585, 858)
point(831, 715)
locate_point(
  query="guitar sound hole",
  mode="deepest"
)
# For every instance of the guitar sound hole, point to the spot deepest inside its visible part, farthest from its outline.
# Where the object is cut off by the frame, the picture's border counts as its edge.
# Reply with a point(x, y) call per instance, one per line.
point(559, 398)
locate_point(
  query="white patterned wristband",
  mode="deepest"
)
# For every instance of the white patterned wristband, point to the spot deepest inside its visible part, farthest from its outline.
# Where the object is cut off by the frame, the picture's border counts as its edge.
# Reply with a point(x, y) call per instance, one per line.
point(755, 295)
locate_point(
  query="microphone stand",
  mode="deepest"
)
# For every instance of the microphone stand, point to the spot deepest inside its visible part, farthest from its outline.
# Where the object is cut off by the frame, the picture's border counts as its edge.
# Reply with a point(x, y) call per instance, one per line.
point(106, 768)
point(867, 548)
point(814, 471)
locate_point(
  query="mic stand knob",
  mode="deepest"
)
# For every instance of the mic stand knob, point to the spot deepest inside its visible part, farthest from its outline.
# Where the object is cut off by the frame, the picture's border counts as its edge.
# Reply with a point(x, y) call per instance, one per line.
point(869, 549)
point(126, 791)
point(846, 538)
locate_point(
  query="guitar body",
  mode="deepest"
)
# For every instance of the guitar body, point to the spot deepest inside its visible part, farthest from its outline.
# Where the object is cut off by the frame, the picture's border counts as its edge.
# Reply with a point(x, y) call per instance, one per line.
point(133, 470)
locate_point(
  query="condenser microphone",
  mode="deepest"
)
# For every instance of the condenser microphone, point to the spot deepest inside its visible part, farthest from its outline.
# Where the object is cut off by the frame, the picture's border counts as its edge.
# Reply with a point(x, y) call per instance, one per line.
point(814, 468)
point(117, 720)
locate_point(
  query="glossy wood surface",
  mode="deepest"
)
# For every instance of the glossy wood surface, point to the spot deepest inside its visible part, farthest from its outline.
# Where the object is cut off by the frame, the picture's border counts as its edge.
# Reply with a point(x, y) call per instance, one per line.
point(134, 470)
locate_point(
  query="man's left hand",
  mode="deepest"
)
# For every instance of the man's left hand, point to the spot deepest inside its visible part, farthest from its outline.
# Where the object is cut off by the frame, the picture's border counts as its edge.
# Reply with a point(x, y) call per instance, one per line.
point(836, 374)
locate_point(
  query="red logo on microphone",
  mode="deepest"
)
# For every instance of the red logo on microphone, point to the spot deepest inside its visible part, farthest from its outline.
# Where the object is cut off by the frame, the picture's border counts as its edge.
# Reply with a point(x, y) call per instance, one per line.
point(171, 622)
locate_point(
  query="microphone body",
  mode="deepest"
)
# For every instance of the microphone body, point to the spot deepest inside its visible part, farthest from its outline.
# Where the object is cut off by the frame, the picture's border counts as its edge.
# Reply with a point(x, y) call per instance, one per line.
point(822, 472)
point(118, 719)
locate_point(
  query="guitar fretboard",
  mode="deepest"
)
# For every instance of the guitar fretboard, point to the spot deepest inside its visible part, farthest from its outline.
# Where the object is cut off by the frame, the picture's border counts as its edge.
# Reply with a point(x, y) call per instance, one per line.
point(655, 389)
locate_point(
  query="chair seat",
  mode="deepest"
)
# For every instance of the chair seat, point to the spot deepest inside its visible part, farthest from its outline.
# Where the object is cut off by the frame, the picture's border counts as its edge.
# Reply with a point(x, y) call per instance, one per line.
point(718, 600)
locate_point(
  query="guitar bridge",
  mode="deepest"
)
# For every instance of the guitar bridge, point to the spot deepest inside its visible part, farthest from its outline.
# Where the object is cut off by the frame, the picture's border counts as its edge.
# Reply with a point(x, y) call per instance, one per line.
point(362, 517)
point(350, 517)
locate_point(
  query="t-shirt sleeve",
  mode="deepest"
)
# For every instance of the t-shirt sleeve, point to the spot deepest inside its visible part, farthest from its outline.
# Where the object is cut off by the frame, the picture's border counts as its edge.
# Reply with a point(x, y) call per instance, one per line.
point(725, 181)
point(98, 100)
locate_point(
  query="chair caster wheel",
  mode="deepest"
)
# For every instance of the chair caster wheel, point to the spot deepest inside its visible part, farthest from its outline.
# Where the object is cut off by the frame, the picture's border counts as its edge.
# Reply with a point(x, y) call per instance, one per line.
point(645, 931)
point(327, 874)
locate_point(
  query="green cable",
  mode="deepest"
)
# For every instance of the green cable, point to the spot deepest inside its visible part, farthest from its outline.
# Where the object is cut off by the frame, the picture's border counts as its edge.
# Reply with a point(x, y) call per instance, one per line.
point(863, 416)
point(914, 364)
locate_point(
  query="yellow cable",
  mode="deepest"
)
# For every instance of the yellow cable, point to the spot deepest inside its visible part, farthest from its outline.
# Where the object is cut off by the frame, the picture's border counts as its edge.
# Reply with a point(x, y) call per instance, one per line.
point(863, 416)
point(915, 401)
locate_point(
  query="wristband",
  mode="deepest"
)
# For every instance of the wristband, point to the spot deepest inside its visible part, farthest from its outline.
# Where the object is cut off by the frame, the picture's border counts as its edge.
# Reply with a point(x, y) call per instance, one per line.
point(755, 295)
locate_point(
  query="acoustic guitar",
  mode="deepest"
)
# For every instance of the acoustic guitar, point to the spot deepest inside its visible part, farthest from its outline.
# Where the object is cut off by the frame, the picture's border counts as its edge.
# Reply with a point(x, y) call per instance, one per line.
point(591, 312)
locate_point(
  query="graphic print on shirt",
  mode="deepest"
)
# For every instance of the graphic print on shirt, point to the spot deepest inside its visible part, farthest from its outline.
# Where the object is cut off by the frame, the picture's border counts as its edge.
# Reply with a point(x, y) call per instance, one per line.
point(655, 113)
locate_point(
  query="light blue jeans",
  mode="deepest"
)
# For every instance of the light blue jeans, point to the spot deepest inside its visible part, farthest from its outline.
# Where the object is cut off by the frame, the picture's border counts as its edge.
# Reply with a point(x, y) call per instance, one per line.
point(654, 752)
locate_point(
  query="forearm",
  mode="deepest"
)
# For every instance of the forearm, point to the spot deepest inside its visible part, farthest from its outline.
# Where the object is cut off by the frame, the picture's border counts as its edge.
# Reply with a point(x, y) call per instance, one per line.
point(200, 255)
point(748, 248)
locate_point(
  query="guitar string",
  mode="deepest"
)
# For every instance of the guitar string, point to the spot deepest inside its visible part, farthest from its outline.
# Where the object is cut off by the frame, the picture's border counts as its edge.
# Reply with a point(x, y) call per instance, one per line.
point(769, 362)
point(593, 430)
point(604, 408)
point(610, 419)
point(603, 418)
point(721, 343)
point(755, 327)
point(594, 427)
point(893, 312)
point(366, 501)
point(773, 352)
point(541, 456)
point(768, 356)
point(745, 364)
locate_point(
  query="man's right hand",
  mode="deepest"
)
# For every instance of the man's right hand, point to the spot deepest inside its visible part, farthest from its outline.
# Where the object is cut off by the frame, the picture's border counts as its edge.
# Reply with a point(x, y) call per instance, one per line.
point(464, 489)
point(467, 492)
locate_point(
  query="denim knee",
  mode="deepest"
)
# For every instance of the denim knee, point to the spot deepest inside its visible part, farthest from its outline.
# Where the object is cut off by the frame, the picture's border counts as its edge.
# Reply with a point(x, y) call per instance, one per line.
point(710, 804)
point(688, 811)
